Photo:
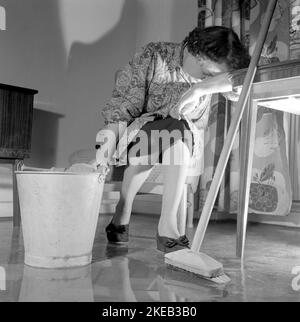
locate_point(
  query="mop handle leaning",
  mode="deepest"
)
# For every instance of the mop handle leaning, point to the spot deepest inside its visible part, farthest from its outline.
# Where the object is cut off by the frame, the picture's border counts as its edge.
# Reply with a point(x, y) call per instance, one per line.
point(229, 141)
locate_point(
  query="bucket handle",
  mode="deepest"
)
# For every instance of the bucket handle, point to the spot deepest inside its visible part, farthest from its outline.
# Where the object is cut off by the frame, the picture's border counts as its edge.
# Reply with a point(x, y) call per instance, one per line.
point(102, 170)
point(22, 167)
point(19, 165)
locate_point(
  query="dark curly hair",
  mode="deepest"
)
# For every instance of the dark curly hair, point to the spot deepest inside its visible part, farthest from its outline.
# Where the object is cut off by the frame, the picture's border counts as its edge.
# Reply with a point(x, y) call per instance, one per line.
point(219, 44)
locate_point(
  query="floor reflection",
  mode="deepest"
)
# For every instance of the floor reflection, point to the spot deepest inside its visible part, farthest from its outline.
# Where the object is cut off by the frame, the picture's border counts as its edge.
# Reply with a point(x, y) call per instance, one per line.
point(56, 285)
point(2, 279)
point(120, 278)
point(136, 272)
point(128, 279)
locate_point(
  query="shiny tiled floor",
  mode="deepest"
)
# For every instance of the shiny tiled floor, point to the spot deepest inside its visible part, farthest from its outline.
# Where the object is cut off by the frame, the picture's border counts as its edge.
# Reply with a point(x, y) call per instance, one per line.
point(137, 273)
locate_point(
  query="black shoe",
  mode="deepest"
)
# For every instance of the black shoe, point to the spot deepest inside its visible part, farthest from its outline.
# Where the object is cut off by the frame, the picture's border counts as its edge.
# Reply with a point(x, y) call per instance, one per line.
point(168, 245)
point(117, 234)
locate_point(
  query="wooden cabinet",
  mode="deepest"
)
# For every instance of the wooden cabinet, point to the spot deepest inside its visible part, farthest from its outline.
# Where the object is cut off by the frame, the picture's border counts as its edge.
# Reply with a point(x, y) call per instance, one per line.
point(16, 114)
point(16, 111)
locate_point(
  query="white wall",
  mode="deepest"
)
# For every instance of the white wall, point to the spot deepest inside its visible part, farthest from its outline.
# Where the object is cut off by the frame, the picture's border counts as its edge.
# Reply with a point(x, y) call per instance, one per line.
point(69, 50)
point(165, 20)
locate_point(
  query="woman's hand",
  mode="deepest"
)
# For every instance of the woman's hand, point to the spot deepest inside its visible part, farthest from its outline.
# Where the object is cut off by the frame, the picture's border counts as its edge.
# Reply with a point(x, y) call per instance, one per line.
point(220, 83)
point(106, 142)
point(188, 102)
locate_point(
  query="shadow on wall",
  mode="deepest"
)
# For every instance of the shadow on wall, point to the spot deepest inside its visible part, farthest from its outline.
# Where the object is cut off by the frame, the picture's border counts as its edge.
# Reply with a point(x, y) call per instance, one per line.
point(32, 55)
point(90, 81)
point(76, 82)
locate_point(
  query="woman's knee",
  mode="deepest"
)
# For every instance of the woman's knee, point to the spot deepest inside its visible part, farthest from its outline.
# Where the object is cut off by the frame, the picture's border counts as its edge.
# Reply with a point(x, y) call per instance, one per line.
point(178, 154)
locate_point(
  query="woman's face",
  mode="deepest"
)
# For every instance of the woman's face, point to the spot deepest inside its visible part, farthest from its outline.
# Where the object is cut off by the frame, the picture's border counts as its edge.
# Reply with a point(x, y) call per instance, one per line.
point(202, 67)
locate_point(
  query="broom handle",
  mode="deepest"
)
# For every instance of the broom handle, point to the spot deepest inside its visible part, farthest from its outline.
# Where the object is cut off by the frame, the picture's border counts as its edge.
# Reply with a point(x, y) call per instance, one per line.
point(229, 141)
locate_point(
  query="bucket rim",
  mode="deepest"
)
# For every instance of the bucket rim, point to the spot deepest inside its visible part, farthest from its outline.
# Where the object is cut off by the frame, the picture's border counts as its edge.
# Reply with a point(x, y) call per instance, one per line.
point(58, 172)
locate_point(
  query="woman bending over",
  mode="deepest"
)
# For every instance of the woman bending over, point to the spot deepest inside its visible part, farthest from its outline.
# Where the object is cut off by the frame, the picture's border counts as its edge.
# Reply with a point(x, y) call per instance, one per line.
point(158, 114)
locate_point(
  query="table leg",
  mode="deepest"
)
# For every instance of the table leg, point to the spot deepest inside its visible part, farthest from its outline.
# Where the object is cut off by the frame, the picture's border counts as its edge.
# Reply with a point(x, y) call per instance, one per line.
point(248, 127)
point(16, 205)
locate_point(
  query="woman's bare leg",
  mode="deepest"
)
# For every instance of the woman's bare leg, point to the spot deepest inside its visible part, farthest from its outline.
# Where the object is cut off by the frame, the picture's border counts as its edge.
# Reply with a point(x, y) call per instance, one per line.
point(134, 178)
point(174, 174)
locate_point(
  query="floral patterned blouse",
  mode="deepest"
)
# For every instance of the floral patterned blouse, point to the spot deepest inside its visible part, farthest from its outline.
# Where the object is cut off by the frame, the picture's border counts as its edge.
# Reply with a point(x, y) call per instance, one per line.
point(149, 86)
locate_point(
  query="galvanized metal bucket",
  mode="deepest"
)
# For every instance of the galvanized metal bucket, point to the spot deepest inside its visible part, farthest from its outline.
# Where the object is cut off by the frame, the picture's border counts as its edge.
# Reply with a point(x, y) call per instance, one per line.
point(59, 212)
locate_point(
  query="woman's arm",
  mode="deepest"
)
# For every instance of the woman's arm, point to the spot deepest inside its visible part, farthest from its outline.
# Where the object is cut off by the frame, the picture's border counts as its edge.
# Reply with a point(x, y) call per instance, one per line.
point(106, 141)
point(131, 85)
point(126, 103)
point(221, 83)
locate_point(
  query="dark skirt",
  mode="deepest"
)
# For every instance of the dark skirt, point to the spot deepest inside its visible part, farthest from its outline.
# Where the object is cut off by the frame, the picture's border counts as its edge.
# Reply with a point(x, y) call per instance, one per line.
point(160, 135)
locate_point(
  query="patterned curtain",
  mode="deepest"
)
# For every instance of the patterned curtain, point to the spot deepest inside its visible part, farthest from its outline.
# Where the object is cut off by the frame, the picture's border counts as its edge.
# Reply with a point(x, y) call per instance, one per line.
point(270, 191)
